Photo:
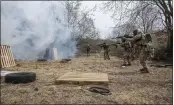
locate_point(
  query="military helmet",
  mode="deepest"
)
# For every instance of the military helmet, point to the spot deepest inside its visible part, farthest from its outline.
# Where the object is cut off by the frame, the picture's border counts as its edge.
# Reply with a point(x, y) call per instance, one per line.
point(123, 40)
point(135, 32)
point(148, 37)
point(126, 35)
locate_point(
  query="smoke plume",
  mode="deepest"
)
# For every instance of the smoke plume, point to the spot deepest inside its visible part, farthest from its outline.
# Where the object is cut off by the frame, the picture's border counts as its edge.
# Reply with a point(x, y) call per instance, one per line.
point(30, 27)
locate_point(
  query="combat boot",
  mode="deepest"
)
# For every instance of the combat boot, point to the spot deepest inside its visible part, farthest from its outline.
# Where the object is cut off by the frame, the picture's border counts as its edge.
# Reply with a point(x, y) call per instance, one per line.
point(144, 70)
point(123, 65)
point(128, 64)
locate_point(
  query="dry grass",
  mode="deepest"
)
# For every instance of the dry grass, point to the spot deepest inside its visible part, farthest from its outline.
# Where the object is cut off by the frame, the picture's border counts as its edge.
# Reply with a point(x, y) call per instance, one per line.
point(127, 85)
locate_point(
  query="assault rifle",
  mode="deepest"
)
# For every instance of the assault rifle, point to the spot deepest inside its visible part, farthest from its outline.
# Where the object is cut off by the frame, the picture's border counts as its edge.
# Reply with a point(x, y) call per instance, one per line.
point(125, 36)
point(113, 44)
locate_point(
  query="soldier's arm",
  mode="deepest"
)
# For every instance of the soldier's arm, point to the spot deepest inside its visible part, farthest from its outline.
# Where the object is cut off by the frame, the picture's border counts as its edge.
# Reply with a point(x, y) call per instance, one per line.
point(135, 38)
point(122, 44)
point(114, 44)
point(100, 45)
point(111, 44)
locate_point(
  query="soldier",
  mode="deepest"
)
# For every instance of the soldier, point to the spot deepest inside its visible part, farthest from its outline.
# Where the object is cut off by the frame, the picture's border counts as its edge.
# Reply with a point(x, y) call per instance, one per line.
point(127, 52)
point(136, 48)
point(106, 51)
point(146, 50)
point(46, 55)
point(88, 49)
point(142, 45)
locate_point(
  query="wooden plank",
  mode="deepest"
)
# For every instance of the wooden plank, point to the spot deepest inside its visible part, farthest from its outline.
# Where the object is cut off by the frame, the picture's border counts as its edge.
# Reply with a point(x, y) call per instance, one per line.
point(2, 55)
point(83, 78)
point(11, 54)
point(6, 56)
point(10, 57)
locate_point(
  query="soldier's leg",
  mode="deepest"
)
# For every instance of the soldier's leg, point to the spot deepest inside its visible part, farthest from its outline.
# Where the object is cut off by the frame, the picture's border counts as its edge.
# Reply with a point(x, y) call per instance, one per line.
point(143, 58)
point(132, 57)
point(108, 55)
point(104, 55)
point(124, 60)
point(133, 54)
point(129, 60)
point(87, 53)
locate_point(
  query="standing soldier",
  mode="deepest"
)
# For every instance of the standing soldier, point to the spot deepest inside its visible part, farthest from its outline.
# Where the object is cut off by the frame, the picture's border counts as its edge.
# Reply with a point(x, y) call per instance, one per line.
point(143, 45)
point(127, 52)
point(46, 55)
point(136, 47)
point(88, 49)
point(146, 50)
point(106, 51)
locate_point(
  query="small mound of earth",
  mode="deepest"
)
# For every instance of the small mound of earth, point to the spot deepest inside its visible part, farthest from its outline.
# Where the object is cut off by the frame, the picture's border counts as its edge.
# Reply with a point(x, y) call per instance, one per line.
point(41, 60)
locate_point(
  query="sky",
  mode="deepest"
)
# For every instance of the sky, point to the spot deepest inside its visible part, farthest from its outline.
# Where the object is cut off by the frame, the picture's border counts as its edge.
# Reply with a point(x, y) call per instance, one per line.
point(103, 21)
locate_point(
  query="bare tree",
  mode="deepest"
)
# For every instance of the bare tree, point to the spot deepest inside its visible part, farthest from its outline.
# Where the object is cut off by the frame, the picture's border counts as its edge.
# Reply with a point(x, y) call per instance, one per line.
point(123, 29)
point(141, 11)
point(145, 17)
point(80, 20)
point(167, 10)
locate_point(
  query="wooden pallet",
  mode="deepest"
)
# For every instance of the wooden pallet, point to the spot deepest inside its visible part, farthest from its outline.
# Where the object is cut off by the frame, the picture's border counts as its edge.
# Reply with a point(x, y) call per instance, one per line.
point(83, 78)
point(6, 57)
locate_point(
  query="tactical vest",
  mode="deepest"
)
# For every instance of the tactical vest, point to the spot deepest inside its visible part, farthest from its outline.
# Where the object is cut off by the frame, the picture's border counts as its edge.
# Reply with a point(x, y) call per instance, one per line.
point(144, 45)
point(127, 46)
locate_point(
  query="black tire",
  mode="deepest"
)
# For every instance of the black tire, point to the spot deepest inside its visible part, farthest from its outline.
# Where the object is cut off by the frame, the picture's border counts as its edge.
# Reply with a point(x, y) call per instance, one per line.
point(43, 60)
point(100, 90)
point(22, 77)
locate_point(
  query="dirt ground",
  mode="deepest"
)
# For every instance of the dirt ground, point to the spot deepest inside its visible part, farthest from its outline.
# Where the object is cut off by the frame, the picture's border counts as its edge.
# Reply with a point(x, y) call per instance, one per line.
point(127, 85)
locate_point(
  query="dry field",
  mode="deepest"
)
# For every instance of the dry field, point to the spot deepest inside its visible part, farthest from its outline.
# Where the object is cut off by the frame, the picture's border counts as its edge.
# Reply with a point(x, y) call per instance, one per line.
point(127, 85)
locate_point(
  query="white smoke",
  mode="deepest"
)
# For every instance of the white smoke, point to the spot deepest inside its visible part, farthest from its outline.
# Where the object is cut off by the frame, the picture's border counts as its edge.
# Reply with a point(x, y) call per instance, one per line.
point(30, 27)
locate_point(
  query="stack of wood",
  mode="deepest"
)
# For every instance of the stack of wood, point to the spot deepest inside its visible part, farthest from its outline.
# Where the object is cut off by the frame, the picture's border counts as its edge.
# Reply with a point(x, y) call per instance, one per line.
point(6, 57)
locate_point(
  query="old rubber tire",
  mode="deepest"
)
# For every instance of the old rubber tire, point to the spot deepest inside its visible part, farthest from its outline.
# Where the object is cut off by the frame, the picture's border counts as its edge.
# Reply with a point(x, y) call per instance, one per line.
point(22, 77)
point(101, 90)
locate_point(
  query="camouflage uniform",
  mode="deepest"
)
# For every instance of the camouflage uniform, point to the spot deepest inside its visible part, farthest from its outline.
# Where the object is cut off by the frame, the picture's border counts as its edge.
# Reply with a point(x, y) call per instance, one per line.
point(88, 50)
point(144, 47)
point(106, 51)
point(145, 53)
point(127, 52)
point(135, 51)
point(136, 48)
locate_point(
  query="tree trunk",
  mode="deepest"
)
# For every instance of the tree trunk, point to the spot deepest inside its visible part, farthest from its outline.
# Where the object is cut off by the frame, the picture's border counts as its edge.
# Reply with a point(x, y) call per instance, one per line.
point(170, 44)
point(170, 39)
